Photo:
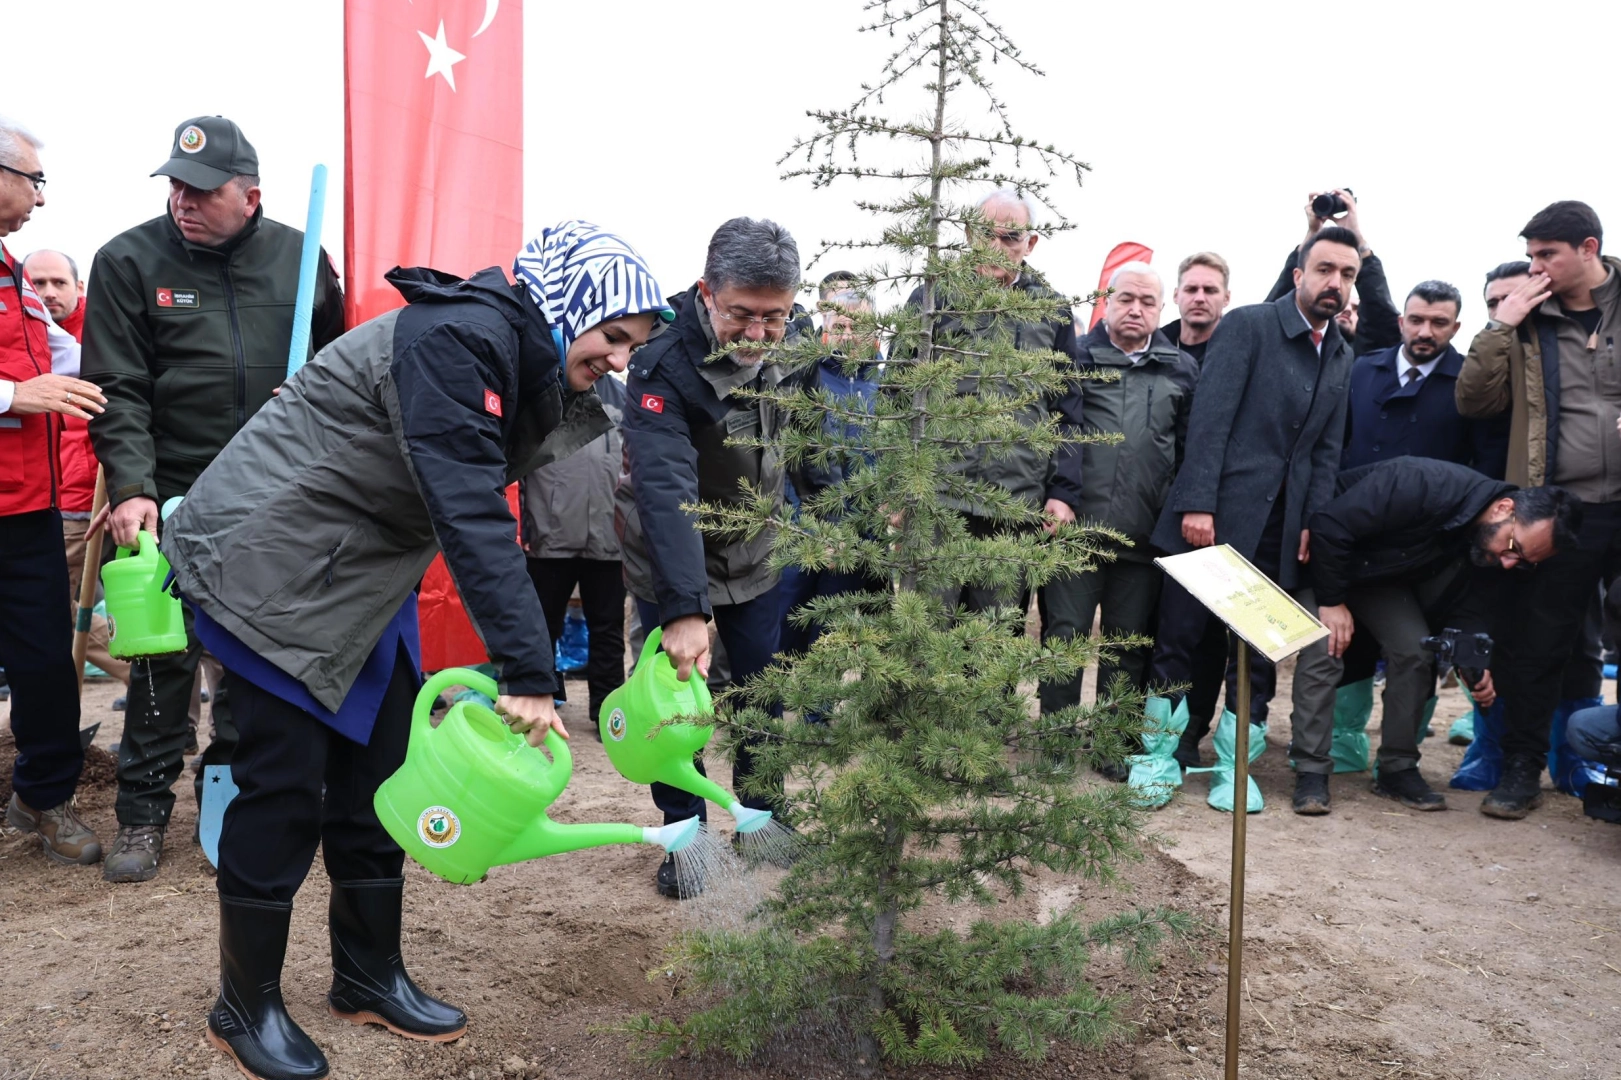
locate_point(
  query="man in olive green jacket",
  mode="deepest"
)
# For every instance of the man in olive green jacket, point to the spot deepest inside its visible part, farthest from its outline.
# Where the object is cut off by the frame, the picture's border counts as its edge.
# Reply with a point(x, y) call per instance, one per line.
point(1549, 357)
point(1123, 484)
point(187, 327)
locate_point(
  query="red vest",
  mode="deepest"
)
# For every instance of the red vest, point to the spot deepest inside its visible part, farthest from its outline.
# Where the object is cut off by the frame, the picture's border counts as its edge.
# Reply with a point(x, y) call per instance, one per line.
point(77, 489)
point(27, 443)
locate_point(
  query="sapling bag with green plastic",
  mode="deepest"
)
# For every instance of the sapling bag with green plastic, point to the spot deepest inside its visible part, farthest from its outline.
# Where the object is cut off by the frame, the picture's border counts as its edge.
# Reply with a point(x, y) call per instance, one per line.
point(1155, 774)
point(1221, 773)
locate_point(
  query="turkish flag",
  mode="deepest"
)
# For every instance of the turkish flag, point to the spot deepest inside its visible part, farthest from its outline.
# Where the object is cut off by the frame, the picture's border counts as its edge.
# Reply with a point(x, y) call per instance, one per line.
point(1118, 257)
point(433, 141)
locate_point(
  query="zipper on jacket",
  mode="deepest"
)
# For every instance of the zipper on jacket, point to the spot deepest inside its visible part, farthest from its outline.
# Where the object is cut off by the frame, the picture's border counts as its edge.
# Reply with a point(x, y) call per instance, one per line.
point(236, 349)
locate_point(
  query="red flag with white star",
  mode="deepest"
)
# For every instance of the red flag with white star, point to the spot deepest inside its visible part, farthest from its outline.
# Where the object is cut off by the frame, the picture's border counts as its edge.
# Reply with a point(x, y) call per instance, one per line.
point(433, 134)
point(433, 142)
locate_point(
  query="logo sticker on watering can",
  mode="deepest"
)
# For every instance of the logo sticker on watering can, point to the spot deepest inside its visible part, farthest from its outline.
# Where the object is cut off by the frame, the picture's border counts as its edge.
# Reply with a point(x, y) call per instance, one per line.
point(616, 725)
point(439, 826)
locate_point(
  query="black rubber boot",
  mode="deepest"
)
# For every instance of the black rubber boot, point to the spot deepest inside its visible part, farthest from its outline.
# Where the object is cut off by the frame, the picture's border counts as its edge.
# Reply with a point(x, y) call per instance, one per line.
point(1519, 791)
point(249, 1021)
point(369, 982)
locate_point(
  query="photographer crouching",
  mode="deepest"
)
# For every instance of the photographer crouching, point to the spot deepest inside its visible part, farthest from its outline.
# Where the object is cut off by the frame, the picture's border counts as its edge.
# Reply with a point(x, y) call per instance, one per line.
point(1406, 549)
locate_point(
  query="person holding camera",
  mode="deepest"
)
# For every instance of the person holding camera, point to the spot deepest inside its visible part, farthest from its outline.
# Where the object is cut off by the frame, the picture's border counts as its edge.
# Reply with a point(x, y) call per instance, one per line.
point(1405, 550)
point(1369, 320)
point(1548, 359)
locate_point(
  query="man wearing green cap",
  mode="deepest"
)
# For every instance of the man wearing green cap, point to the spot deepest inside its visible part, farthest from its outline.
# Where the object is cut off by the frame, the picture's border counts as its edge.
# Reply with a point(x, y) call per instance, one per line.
point(187, 327)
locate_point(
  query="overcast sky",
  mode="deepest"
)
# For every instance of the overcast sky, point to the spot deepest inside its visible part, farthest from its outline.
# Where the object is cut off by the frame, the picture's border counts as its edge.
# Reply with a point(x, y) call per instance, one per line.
point(1205, 123)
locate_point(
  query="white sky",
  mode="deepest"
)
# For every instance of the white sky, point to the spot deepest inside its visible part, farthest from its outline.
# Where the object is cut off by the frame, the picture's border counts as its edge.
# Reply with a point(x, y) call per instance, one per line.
point(1205, 123)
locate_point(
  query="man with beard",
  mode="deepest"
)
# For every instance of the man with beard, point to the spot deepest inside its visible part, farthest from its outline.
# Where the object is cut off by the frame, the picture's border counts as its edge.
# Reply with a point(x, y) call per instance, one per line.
point(1368, 321)
point(1405, 550)
point(1402, 399)
point(1265, 432)
point(1201, 297)
point(1548, 360)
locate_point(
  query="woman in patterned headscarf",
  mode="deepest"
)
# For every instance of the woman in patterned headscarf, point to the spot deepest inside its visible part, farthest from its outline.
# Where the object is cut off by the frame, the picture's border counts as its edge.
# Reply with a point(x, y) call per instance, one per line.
point(298, 551)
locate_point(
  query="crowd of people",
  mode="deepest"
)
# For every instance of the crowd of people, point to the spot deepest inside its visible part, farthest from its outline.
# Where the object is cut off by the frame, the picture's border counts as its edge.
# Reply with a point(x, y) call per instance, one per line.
point(1394, 485)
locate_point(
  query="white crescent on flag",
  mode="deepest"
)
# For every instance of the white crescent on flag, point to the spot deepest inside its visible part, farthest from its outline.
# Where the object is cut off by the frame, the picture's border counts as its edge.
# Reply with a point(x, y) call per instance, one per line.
point(489, 16)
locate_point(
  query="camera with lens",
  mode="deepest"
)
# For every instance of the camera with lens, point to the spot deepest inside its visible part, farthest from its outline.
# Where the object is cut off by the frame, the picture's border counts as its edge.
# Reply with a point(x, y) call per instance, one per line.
point(1330, 204)
point(1468, 654)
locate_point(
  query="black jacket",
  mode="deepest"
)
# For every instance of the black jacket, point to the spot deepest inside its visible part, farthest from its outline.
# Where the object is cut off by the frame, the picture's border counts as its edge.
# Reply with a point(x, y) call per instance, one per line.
point(1268, 419)
point(1378, 323)
point(1173, 333)
point(676, 428)
point(188, 342)
point(1388, 420)
point(1397, 521)
point(397, 442)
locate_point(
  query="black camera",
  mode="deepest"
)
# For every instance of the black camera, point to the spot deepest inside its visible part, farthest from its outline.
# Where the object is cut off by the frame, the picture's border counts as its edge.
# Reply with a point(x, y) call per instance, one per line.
point(1469, 654)
point(1330, 204)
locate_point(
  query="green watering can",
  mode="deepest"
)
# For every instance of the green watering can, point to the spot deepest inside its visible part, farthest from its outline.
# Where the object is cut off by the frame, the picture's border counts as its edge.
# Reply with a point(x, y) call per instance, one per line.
point(647, 750)
point(143, 617)
point(473, 793)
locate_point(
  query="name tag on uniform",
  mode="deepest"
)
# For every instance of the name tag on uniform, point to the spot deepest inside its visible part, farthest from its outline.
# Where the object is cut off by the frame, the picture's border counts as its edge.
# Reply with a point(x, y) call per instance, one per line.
point(187, 298)
point(743, 423)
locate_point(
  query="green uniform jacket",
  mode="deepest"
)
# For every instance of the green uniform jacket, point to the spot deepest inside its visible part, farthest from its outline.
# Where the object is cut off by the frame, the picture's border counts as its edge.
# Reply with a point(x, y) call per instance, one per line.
point(1124, 484)
point(1025, 472)
point(188, 342)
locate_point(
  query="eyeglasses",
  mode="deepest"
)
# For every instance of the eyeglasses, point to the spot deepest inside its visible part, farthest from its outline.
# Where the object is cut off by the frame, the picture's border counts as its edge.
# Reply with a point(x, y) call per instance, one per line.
point(1517, 553)
point(38, 179)
point(769, 322)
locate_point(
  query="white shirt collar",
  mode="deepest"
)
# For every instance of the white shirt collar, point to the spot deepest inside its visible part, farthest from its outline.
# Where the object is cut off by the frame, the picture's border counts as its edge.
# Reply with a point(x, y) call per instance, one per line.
point(1403, 364)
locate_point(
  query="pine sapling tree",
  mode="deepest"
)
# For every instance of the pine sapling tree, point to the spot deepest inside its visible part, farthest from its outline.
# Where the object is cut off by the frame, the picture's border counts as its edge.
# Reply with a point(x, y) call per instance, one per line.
point(927, 775)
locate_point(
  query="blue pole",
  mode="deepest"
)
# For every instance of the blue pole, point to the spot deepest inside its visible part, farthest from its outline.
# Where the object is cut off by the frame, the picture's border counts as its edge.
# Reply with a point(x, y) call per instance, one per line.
point(308, 263)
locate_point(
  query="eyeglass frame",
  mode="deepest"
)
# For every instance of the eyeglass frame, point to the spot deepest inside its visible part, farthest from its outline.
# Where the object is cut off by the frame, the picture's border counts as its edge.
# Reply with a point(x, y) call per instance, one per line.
point(37, 179)
point(765, 322)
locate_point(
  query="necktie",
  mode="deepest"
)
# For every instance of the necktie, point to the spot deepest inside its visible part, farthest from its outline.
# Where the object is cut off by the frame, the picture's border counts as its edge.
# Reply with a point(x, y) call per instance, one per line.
point(1412, 375)
point(1317, 339)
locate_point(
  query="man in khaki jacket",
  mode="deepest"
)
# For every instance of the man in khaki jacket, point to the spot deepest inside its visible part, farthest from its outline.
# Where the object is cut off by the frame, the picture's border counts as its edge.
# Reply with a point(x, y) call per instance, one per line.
point(1549, 358)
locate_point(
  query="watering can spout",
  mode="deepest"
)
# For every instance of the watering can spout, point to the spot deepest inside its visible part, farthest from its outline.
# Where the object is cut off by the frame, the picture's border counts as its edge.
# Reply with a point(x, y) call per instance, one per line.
point(546, 837)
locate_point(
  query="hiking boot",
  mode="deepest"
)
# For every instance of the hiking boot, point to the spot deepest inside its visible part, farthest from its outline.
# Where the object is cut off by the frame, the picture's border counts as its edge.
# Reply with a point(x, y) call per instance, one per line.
point(369, 981)
point(677, 886)
point(66, 838)
point(1311, 793)
point(1519, 791)
point(136, 853)
point(249, 1021)
point(1118, 771)
point(1186, 753)
point(120, 703)
point(1410, 789)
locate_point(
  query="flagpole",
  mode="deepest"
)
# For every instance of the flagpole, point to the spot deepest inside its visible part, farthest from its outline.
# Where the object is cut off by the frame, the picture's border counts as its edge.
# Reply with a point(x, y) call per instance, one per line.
point(1235, 903)
point(308, 266)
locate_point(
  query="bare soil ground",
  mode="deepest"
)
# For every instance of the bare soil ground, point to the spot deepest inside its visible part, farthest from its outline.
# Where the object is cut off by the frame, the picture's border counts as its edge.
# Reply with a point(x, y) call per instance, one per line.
point(1379, 943)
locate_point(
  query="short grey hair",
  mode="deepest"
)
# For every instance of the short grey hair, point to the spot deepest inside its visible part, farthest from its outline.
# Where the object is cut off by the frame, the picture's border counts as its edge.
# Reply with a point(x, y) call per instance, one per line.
point(12, 138)
point(1010, 195)
point(1136, 267)
point(72, 266)
point(752, 254)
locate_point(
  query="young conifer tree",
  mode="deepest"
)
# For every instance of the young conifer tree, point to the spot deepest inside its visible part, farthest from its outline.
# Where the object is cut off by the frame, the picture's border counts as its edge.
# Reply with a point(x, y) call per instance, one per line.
point(929, 774)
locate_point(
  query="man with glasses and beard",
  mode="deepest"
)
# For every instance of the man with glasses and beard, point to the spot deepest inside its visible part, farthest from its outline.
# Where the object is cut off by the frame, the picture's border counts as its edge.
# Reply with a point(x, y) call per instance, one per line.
point(682, 417)
point(1405, 550)
point(1263, 451)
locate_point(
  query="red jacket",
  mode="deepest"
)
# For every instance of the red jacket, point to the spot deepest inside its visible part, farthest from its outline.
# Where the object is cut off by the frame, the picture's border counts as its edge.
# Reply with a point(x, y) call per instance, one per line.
point(78, 475)
point(27, 443)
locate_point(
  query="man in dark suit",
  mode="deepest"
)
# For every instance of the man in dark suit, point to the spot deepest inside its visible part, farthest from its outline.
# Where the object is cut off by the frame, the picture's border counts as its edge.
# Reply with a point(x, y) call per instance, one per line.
point(1266, 430)
point(1402, 402)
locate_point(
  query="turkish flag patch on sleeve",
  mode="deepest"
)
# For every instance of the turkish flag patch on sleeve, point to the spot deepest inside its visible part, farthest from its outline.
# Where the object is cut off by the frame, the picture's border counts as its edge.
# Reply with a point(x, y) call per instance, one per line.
point(492, 402)
point(652, 403)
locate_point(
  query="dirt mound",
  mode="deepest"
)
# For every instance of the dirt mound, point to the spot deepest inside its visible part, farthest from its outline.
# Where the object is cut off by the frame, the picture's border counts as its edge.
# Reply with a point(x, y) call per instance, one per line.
point(100, 768)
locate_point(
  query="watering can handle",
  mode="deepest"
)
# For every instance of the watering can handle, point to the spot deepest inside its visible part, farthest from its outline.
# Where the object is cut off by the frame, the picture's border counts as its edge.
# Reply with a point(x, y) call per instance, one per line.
point(650, 647)
point(439, 681)
point(143, 540)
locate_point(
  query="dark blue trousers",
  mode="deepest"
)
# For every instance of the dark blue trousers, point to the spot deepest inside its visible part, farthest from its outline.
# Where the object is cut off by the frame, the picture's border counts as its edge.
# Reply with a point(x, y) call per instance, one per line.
point(36, 649)
point(749, 631)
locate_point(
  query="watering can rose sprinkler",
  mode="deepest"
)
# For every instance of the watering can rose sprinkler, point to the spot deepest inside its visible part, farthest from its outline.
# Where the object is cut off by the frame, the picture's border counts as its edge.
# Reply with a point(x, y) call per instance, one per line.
point(473, 793)
point(646, 749)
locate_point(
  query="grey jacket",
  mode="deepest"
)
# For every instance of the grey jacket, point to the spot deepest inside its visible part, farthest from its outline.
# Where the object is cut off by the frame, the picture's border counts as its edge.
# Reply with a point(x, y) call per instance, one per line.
point(1124, 485)
point(1024, 472)
point(308, 531)
point(1268, 420)
point(568, 506)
